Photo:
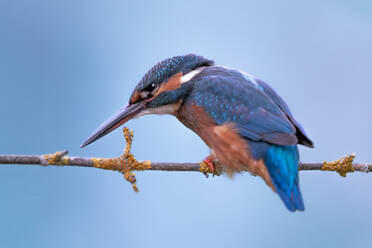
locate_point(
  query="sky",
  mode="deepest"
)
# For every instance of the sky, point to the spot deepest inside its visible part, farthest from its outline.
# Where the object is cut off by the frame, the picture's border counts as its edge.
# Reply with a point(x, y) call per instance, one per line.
point(66, 66)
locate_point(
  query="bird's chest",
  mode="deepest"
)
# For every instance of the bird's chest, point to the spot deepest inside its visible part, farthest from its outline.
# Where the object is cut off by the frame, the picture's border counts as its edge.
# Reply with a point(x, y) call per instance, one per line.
point(229, 147)
point(231, 150)
point(195, 118)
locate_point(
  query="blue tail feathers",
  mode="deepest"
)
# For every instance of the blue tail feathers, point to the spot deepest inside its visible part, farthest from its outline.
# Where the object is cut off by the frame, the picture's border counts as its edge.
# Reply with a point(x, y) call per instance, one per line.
point(282, 164)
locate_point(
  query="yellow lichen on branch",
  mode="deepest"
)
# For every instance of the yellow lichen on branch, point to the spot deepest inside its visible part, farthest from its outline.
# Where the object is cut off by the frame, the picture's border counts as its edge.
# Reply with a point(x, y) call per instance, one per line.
point(132, 162)
point(106, 163)
point(126, 163)
point(129, 162)
point(57, 158)
point(342, 166)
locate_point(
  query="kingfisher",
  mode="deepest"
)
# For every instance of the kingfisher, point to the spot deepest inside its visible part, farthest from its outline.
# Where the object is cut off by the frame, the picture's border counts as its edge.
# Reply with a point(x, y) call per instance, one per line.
point(244, 122)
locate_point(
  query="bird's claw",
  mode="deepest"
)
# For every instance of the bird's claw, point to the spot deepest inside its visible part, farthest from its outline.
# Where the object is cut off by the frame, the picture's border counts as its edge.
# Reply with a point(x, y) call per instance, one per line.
point(211, 166)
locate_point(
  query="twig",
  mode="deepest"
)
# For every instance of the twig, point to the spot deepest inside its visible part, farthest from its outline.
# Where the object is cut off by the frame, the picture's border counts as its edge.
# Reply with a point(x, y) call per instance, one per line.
point(127, 163)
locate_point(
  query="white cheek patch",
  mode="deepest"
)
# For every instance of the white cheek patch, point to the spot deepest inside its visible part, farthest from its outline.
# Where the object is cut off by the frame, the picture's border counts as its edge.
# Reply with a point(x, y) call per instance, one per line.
point(188, 76)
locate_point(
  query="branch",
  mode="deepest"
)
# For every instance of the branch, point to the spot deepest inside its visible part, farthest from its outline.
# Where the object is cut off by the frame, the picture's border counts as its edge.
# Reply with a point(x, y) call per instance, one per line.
point(127, 163)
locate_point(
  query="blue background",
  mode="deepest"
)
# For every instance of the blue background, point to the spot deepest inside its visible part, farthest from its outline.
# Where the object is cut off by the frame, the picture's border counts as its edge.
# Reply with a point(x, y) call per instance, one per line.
point(65, 66)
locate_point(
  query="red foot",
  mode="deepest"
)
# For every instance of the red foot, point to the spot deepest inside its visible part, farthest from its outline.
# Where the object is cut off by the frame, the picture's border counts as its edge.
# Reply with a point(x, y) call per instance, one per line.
point(209, 161)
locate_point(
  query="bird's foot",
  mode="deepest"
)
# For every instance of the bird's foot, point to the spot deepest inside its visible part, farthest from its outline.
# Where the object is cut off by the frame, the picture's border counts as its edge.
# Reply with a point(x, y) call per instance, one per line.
point(210, 162)
point(211, 165)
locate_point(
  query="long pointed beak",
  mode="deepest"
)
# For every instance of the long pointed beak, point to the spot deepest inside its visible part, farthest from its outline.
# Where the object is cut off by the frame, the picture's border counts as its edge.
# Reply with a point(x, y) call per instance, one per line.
point(115, 121)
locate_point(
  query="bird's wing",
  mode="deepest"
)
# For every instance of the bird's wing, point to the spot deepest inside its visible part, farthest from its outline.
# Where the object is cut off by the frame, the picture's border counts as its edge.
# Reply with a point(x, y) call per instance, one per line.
point(229, 97)
point(300, 132)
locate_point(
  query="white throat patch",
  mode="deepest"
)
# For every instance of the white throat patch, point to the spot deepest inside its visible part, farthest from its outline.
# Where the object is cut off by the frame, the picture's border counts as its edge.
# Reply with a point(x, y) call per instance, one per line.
point(170, 109)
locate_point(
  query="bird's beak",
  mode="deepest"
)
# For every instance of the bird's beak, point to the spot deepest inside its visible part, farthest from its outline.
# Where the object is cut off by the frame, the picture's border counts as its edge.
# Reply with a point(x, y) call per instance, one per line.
point(115, 121)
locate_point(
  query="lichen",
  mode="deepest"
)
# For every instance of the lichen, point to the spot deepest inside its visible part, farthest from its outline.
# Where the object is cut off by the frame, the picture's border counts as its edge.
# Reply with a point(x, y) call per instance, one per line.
point(57, 158)
point(342, 166)
point(65, 160)
point(131, 162)
point(128, 163)
point(106, 163)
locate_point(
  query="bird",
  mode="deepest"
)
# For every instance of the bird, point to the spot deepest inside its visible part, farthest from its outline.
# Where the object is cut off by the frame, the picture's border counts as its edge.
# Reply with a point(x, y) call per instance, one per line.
point(244, 122)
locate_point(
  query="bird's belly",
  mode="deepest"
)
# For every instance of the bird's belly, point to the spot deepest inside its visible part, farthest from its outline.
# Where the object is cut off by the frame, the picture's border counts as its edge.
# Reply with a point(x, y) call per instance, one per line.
point(231, 149)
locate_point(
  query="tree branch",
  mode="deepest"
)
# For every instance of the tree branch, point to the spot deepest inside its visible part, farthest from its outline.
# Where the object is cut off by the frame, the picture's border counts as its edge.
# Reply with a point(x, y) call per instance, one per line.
point(126, 163)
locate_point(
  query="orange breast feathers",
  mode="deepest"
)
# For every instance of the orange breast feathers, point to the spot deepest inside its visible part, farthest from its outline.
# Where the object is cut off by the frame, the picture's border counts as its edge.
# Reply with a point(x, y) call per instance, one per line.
point(231, 149)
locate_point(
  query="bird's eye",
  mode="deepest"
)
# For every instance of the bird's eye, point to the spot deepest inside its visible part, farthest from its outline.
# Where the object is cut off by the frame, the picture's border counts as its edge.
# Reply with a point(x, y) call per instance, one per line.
point(148, 91)
point(150, 88)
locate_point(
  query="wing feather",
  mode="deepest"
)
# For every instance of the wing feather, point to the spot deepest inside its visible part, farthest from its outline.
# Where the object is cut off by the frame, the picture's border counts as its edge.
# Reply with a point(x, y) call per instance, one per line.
point(229, 97)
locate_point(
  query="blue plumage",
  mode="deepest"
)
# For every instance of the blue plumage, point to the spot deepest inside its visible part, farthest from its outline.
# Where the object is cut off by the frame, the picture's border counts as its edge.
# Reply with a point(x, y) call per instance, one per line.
point(229, 97)
point(282, 163)
point(262, 118)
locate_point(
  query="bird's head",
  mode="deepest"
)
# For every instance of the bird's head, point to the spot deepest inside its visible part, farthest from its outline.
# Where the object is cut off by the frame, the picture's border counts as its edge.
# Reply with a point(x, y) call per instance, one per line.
point(158, 92)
